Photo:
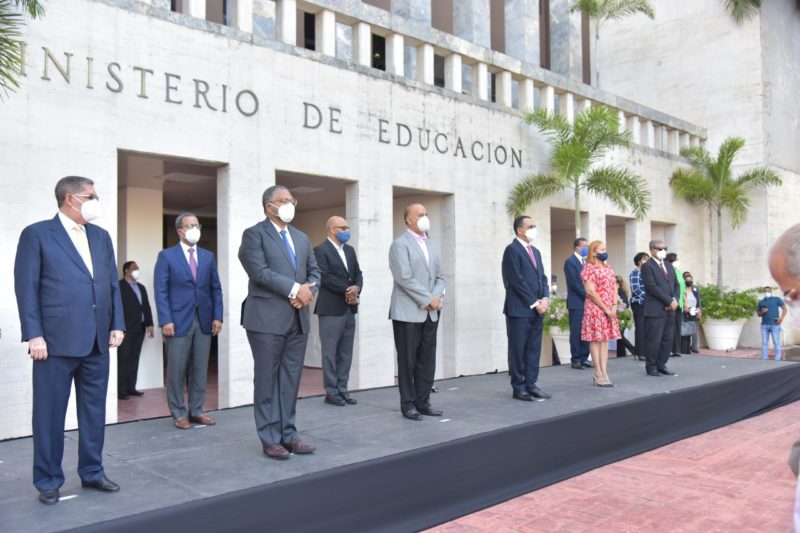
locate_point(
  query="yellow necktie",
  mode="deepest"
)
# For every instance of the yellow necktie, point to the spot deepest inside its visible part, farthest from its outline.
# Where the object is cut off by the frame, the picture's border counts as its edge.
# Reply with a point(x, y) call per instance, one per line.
point(82, 244)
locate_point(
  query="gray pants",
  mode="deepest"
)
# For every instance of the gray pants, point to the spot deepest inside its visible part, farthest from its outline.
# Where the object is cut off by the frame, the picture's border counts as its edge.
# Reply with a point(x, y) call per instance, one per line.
point(278, 365)
point(336, 334)
point(189, 352)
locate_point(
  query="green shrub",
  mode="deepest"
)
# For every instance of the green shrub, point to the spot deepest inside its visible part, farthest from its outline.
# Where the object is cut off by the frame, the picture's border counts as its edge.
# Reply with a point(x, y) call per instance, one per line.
point(725, 304)
point(557, 315)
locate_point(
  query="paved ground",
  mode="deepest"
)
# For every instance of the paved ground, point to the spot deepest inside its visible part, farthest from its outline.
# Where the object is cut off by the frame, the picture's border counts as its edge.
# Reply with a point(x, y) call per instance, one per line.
point(732, 479)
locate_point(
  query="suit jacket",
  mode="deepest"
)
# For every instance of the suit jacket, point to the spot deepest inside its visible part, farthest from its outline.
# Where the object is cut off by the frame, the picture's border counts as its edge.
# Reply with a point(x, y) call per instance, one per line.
point(336, 278)
point(416, 281)
point(132, 309)
point(524, 284)
point(58, 298)
point(272, 276)
point(576, 292)
point(659, 289)
point(178, 294)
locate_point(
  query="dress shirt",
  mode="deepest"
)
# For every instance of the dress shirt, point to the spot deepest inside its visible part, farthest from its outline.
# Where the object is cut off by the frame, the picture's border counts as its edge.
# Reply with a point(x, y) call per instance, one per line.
point(637, 287)
point(185, 248)
point(135, 287)
point(580, 257)
point(83, 245)
point(422, 241)
point(340, 251)
point(296, 287)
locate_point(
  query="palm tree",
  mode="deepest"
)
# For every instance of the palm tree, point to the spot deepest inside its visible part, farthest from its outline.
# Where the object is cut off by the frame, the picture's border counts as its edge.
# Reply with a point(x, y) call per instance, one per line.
point(576, 149)
point(742, 10)
point(710, 182)
point(11, 22)
point(601, 11)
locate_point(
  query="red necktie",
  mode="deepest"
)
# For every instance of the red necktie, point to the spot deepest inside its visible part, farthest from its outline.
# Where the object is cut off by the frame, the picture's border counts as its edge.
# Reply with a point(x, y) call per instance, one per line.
point(192, 264)
point(664, 269)
point(533, 259)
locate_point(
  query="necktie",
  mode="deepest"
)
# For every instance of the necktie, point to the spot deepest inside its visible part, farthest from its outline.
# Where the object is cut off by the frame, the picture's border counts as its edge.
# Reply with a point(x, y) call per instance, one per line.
point(82, 244)
point(664, 269)
point(289, 248)
point(192, 264)
point(533, 259)
point(583, 261)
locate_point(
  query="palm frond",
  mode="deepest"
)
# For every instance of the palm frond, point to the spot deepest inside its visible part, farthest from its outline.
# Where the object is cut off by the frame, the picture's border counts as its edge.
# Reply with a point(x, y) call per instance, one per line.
point(742, 10)
point(555, 128)
point(591, 7)
point(616, 9)
point(759, 177)
point(532, 189)
point(698, 157)
point(692, 185)
point(571, 160)
point(736, 202)
point(11, 22)
point(598, 128)
point(626, 190)
point(721, 168)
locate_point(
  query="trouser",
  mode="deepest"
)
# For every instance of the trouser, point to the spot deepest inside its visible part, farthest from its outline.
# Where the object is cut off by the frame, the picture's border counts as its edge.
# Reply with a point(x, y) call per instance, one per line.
point(768, 331)
point(188, 353)
point(524, 351)
point(676, 338)
point(659, 332)
point(52, 379)
point(638, 324)
point(336, 335)
point(128, 361)
point(579, 349)
point(416, 361)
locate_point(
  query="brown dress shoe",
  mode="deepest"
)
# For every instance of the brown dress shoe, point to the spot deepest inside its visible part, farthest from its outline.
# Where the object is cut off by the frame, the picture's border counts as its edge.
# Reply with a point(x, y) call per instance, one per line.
point(182, 423)
point(276, 451)
point(202, 419)
point(299, 447)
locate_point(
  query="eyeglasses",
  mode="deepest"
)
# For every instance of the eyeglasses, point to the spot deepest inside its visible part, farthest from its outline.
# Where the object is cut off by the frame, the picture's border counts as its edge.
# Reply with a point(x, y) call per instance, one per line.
point(87, 196)
point(661, 249)
point(286, 201)
point(191, 226)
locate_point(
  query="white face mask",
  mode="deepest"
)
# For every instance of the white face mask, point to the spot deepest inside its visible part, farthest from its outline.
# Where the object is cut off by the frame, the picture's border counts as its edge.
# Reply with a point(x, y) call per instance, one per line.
point(135, 274)
point(766, 295)
point(192, 235)
point(530, 234)
point(424, 223)
point(285, 212)
point(661, 254)
point(90, 209)
point(676, 264)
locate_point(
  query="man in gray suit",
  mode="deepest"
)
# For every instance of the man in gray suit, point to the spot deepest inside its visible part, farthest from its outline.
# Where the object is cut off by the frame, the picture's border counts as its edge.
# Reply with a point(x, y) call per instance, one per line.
point(283, 273)
point(415, 308)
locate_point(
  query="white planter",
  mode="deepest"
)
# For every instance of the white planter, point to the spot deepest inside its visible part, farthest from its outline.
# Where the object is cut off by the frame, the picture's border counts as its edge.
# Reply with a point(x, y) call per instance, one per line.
point(723, 334)
point(561, 340)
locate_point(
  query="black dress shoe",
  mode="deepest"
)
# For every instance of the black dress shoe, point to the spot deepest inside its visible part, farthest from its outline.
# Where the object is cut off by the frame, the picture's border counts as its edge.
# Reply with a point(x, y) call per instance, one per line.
point(434, 388)
point(136, 393)
point(654, 373)
point(674, 354)
point(695, 351)
point(103, 485)
point(665, 372)
point(587, 364)
point(539, 393)
point(577, 366)
point(123, 397)
point(335, 400)
point(49, 497)
point(349, 400)
point(430, 411)
point(524, 396)
point(412, 414)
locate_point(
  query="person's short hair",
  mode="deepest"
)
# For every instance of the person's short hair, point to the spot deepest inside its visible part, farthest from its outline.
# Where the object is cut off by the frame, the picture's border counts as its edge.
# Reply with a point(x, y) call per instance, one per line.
point(655, 242)
point(687, 274)
point(179, 219)
point(638, 257)
point(767, 287)
point(672, 257)
point(269, 194)
point(127, 265)
point(518, 222)
point(591, 256)
point(577, 242)
point(70, 185)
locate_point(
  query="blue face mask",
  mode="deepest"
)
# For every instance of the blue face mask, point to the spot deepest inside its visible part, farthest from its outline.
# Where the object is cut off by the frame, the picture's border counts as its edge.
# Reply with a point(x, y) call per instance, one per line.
point(584, 251)
point(343, 236)
point(603, 256)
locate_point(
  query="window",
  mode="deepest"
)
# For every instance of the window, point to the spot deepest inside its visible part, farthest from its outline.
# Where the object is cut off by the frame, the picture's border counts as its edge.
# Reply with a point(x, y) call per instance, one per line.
point(344, 41)
point(378, 52)
point(438, 70)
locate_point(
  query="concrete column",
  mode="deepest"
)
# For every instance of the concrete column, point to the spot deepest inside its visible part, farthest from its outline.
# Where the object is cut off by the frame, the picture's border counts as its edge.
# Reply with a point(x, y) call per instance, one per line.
point(395, 59)
point(694, 140)
point(648, 134)
point(286, 21)
point(362, 44)
point(685, 140)
point(593, 223)
point(472, 21)
point(425, 63)
point(673, 141)
point(566, 104)
point(242, 18)
point(623, 122)
point(566, 48)
point(503, 88)
point(522, 30)
point(547, 98)
point(637, 239)
point(195, 8)
point(480, 81)
point(325, 32)
point(526, 93)
point(584, 105)
point(416, 10)
point(452, 73)
point(635, 127)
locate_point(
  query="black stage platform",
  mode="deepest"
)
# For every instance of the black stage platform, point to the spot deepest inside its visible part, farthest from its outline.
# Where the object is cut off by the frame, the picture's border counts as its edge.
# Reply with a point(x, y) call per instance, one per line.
point(374, 470)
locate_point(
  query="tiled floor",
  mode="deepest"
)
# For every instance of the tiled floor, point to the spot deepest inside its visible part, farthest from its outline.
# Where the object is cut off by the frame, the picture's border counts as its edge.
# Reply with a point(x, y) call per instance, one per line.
point(731, 479)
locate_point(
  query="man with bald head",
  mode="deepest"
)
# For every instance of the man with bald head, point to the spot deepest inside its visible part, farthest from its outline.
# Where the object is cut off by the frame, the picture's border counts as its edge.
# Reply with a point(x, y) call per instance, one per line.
point(337, 305)
point(415, 310)
point(784, 265)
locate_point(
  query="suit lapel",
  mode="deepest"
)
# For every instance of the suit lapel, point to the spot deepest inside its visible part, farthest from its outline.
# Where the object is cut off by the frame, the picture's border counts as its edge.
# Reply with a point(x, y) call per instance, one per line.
point(269, 229)
point(416, 247)
point(93, 237)
point(332, 250)
point(525, 255)
point(63, 240)
point(180, 256)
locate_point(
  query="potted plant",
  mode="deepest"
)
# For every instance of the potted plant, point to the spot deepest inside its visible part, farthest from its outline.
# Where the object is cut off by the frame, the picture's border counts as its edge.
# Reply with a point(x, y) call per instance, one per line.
point(556, 324)
point(724, 313)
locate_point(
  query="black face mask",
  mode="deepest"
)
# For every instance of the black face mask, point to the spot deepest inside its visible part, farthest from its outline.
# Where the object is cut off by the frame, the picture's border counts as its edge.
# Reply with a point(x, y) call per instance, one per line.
point(689, 283)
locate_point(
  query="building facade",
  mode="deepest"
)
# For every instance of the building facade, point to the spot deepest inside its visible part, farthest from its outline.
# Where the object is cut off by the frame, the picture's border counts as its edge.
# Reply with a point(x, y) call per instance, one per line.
point(359, 108)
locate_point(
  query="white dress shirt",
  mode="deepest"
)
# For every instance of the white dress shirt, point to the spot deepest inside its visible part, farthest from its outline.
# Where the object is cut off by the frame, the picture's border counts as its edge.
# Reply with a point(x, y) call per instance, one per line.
point(185, 248)
point(340, 251)
point(422, 242)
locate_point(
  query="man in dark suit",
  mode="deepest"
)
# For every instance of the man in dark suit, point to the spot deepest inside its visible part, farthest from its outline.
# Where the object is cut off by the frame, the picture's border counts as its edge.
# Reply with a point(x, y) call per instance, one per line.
point(415, 310)
point(70, 313)
point(284, 276)
point(661, 300)
point(138, 320)
point(189, 306)
point(576, 297)
point(527, 298)
point(337, 305)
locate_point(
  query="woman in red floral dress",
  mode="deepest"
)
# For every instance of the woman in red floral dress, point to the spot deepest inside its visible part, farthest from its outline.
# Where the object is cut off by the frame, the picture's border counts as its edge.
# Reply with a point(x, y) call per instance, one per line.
point(600, 322)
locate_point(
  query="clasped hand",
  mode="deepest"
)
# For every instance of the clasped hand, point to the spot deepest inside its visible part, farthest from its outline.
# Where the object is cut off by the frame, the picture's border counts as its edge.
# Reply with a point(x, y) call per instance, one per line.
point(303, 296)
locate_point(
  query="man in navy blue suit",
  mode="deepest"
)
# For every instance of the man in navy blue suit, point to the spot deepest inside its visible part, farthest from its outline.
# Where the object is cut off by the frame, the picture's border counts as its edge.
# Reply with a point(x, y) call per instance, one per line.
point(189, 303)
point(576, 297)
point(65, 278)
point(527, 298)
